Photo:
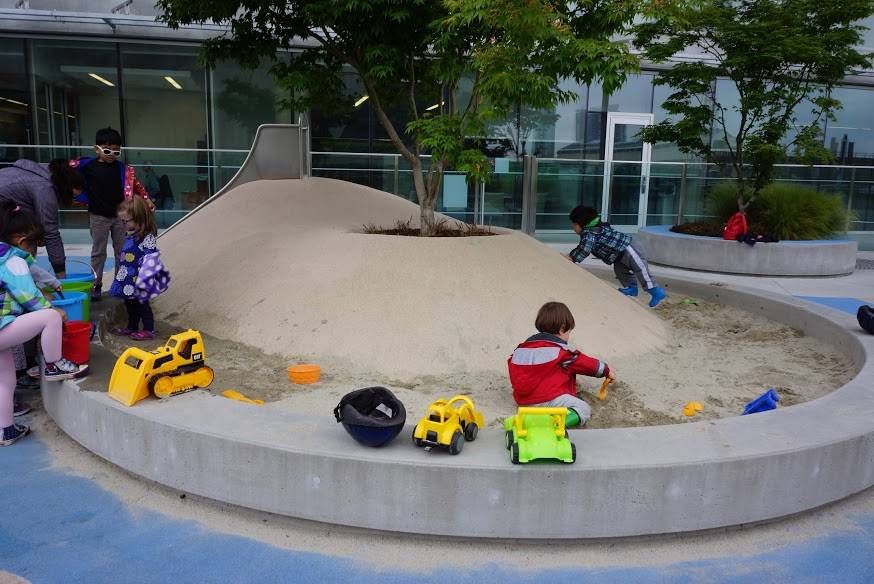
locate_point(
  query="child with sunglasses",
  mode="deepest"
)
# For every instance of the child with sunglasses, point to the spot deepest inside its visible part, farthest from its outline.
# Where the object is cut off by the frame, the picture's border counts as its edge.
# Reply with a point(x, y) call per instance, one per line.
point(108, 182)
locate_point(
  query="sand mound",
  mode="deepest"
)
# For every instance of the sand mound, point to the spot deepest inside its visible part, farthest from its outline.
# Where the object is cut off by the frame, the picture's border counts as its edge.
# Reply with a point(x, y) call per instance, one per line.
point(283, 266)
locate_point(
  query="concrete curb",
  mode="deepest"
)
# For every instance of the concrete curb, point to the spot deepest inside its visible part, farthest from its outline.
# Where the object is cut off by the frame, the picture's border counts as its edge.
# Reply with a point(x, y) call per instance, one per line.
point(626, 482)
point(712, 254)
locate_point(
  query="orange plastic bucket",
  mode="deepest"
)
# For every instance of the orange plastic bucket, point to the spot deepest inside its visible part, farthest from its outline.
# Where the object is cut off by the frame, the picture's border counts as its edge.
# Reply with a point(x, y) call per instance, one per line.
point(76, 341)
point(304, 373)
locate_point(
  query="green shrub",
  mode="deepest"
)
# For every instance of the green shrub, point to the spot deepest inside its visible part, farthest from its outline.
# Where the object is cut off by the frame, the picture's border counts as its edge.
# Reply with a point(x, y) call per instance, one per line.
point(721, 201)
point(785, 210)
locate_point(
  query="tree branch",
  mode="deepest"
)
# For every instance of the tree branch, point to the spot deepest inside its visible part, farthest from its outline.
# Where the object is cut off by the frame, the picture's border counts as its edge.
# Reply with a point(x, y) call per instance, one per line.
point(393, 135)
point(412, 94)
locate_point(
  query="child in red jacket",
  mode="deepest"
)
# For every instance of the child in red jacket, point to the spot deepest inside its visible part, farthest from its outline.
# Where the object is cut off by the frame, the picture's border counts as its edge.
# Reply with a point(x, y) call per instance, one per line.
point(544, 368)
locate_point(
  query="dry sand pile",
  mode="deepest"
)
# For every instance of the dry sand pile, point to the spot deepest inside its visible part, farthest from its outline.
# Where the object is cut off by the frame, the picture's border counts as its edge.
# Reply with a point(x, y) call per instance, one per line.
point(283, 266)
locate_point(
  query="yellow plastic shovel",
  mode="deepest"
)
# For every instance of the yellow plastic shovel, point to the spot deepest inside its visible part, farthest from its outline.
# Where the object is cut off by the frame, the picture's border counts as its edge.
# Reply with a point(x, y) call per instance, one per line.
point(602, 393)
point(233, 394)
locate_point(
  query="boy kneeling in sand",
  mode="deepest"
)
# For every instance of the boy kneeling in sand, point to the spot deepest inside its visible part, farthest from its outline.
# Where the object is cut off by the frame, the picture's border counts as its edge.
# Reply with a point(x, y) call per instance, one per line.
point(544, 368)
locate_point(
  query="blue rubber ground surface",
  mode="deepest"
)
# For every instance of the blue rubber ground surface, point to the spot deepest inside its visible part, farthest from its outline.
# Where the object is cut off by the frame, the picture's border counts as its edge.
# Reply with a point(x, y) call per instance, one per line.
point(848, 305)
point(59, 528)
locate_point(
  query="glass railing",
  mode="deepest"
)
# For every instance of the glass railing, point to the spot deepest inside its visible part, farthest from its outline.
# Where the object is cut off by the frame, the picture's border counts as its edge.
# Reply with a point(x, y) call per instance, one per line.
point(179, 179)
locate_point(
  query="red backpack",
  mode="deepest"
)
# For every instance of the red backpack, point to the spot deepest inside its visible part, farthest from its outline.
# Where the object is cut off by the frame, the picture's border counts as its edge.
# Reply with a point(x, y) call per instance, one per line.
point(735, 227)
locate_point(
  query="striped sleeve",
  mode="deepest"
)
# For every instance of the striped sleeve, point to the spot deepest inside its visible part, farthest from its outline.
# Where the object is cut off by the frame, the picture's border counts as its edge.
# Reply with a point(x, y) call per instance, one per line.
point(22, 288)
point(582, 364)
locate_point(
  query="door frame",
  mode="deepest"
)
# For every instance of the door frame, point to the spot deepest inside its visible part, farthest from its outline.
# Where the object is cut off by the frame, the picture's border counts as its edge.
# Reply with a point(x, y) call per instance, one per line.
point(639, 119)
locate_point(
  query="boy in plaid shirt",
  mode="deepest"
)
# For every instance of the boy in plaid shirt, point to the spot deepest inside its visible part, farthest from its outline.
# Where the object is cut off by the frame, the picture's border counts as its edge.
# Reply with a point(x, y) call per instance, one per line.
point(613, 247)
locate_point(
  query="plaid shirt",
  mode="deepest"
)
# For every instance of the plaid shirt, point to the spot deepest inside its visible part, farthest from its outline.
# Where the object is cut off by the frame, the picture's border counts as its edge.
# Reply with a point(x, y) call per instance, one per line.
point(603, 242)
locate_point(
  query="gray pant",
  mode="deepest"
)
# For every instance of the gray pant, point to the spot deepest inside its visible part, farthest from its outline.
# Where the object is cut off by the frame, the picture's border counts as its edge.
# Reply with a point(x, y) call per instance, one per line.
point(569, 401)
point(101, 230)
point(632, 264)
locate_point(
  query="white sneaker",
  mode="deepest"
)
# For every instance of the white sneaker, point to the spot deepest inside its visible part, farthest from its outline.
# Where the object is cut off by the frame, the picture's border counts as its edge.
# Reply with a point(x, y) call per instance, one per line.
point(62, 369)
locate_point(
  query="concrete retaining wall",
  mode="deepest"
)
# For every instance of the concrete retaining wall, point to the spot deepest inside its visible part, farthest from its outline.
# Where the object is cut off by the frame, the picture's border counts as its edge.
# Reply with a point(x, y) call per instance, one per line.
point(712, 254)
point(626, 482)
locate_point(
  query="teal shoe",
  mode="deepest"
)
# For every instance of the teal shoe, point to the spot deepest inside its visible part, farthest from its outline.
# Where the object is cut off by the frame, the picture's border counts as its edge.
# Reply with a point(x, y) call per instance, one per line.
point(658, 294)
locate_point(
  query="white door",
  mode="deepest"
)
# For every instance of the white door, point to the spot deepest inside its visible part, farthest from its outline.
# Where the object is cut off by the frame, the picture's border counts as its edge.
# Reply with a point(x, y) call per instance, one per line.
point(626, 171)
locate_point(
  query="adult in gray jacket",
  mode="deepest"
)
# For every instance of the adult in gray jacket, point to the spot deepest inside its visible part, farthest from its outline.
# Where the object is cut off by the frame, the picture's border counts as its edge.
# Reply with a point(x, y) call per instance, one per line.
point(39, 188)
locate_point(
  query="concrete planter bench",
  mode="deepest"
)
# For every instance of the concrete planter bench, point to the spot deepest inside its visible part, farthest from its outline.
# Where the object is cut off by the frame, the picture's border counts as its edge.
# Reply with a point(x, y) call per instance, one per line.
point(626, 481)
point(831, 257)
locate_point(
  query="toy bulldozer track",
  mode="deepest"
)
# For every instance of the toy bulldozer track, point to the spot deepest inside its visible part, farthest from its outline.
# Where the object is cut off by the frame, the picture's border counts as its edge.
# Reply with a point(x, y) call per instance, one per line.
point(175, 368)
point(184, 379)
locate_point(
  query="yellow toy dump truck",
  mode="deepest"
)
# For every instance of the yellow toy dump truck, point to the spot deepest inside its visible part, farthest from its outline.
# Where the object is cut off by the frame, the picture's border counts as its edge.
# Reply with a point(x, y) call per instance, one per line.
point(447, 426)
point(174, 368)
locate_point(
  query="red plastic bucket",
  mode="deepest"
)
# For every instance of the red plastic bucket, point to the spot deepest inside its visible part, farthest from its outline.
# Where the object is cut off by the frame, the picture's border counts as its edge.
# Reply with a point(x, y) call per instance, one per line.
point(76, 344)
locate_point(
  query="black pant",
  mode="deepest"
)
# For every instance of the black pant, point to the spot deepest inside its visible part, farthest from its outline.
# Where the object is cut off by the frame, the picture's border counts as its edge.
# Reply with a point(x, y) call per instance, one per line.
point(137, 310)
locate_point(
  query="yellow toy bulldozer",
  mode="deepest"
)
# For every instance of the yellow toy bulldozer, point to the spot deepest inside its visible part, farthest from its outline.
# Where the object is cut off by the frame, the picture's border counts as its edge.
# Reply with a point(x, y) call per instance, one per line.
point(174, 368)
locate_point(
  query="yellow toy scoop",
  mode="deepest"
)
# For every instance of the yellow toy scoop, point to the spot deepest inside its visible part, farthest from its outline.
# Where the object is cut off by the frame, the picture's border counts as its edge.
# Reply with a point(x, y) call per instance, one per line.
point(602, 393)
point(692, 408)
point(233, 394)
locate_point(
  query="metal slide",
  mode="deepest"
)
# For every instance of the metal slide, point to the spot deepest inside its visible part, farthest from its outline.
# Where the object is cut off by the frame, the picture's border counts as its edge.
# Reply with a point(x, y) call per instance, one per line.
point(279, 151)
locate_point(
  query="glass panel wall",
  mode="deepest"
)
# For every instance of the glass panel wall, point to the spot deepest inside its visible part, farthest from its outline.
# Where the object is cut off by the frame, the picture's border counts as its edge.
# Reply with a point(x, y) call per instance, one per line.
point(348, 132)
point(850, 137)
point(165, 82)
point(553, 134)
point(76, 85)
point(868, 35)
point(15, 113)
point(243, 100)
point(76, 90)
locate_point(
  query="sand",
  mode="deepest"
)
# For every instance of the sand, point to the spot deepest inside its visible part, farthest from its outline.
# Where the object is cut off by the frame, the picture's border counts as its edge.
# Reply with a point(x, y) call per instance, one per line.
point(283, 266)
point(279, 272)
point(720, 356)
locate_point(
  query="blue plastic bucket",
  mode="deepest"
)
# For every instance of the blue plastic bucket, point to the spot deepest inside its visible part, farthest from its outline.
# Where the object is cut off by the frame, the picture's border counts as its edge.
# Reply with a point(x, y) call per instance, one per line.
point(78, 277)
point(73, 304)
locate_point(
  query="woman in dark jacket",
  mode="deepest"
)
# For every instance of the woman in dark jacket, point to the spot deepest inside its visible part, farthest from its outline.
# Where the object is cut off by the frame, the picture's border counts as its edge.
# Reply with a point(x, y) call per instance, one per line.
point(39, 188)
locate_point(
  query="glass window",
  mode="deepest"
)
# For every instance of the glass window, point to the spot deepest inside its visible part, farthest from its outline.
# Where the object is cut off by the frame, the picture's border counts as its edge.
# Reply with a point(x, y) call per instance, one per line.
point(243, 100)
point(14, 100)
point(165, 107)
point(553, 134)
point(76, 90)
point(868, 35)
point(728, 97)
point(851, 136)
point(164, 96)
point(344, 133)
point(633, 97)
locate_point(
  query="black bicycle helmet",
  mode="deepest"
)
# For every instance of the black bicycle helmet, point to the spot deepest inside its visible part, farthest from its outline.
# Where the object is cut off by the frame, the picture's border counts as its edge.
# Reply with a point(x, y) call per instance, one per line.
point(865, 316)
point(373, 415)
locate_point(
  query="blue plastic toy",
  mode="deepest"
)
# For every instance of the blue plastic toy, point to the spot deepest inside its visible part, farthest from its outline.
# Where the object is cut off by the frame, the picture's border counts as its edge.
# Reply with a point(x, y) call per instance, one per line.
point(763, 403)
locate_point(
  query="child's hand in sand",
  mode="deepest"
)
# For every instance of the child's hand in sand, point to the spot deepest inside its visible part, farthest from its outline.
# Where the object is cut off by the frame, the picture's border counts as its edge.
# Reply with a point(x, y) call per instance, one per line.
point(611, 376)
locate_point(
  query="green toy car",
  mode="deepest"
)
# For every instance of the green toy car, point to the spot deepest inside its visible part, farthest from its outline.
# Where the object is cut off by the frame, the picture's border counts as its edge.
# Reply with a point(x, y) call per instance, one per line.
point(538, 434)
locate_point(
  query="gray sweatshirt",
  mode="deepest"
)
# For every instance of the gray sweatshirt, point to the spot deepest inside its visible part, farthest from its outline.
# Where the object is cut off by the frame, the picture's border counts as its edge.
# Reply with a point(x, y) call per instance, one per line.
point(29, 184)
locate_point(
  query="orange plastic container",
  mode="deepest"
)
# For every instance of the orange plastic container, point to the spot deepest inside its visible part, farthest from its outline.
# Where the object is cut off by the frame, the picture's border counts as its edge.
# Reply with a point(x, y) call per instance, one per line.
point(304, 373)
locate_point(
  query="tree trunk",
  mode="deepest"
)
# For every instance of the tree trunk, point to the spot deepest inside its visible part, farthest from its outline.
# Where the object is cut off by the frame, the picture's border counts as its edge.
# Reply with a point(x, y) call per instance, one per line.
point(739, 193)
point(426, 200)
